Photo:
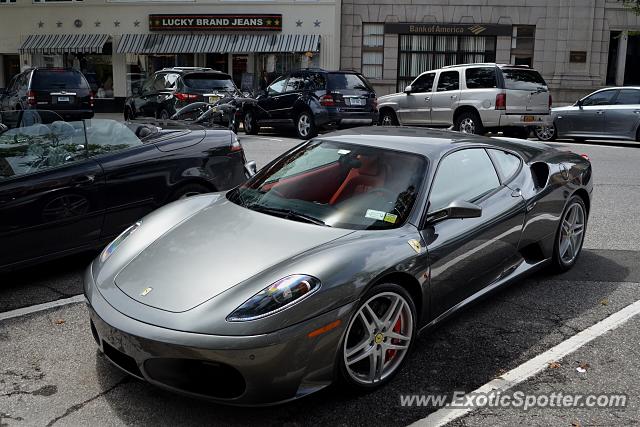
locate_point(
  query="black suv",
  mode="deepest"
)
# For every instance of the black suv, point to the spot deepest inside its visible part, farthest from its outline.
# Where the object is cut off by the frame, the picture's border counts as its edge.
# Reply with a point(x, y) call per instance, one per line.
point(170, 89)
point(63, 90)
point(311, 99)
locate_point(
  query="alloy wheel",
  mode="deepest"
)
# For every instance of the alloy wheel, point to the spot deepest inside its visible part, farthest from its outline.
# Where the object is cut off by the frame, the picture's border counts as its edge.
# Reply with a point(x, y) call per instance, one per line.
point(387, 120)
point(545, 133)
point(378, 338)
point(467, 125)
point(304, 125)
point(571, 233)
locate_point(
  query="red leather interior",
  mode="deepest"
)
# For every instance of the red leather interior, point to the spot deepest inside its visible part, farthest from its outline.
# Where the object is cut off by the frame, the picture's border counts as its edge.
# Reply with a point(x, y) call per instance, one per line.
point(369, 175)
point(317, 185)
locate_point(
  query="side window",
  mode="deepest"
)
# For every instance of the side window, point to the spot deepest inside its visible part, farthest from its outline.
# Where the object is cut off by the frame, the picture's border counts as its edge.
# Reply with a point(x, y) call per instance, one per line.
point(481, 78)
point(464, 175)
point(38, 147)
point(276, 87)
point(506, 163)
point(170, 80)
point(601, 98)
point(449, 80)
point(159, 82)
point(628, 97)
point(13, 86)
point(315, 81)
point(424, 83)
point(295, 83)
point(148, 84)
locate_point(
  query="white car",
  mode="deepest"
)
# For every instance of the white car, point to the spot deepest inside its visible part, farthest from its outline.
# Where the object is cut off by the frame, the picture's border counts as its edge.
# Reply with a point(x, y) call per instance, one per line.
point(473, 98)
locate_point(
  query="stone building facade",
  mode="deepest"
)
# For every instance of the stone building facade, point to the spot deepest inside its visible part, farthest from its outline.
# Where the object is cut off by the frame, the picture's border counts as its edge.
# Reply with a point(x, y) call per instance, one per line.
point(577, 45)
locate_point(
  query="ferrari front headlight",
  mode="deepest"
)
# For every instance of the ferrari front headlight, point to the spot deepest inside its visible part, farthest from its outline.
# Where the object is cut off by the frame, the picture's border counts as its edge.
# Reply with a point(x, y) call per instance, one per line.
point(111, 247)
point(276, 297)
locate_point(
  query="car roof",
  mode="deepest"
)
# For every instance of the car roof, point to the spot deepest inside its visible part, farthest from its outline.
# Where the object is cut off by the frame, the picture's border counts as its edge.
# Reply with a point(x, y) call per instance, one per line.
point(431, 143)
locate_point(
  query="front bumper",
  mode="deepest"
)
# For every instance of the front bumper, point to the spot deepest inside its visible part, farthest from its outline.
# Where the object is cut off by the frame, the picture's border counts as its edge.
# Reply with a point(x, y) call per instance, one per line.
point(242, 370)
point(343, 117)
point(524, 120)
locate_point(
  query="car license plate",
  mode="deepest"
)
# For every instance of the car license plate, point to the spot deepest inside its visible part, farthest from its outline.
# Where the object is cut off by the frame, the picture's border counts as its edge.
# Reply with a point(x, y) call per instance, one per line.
point(528, 119)
point(63, 99)
point(213, 99)
point(356, 101)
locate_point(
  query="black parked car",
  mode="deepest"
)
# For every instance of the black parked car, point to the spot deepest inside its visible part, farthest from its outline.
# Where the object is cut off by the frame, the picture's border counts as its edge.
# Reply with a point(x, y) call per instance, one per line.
point(312, 99)
point(70, 186)
point(169, 90)
point(63, 90)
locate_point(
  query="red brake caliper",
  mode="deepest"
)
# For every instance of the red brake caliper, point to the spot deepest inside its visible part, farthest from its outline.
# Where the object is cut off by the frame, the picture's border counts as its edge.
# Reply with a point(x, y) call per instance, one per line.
point(396, 328)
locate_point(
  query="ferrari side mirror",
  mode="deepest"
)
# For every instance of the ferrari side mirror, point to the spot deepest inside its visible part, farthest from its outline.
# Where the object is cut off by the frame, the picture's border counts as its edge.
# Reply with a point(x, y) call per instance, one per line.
point(458, 209)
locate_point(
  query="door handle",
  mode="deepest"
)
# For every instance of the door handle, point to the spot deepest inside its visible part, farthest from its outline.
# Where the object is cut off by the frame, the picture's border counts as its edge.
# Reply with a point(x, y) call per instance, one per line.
point(84, 179)
point(454, 96)
point(636, 111)
point(516, 193)
point(427, 98)
point(600, 112)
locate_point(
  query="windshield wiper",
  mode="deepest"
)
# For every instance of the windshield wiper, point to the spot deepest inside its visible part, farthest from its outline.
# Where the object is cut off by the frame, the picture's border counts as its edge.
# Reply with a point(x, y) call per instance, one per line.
point(288, 214)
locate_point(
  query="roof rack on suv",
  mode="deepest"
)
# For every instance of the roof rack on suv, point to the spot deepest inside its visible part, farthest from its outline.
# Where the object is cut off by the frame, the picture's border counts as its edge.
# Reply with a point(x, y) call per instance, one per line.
point(487, 63)
point(187, 69)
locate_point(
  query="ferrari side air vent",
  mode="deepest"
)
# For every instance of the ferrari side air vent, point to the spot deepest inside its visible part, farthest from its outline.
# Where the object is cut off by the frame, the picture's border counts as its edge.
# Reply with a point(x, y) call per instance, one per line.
point(540, 174)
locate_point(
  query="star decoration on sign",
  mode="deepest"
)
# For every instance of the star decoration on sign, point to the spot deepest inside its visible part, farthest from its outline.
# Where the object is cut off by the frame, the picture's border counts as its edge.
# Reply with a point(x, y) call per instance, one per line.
point(276, 22)
point(97, 23)
point(268, 21)
point(136, 24)
point(317, 23)
point(59, 24)
point(40, 24)
point(298, 23)
point(116, 23)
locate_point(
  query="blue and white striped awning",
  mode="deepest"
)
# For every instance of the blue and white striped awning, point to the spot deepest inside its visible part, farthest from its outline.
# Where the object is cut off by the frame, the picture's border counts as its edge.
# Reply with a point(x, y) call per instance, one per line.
point(64, 43)
point(217, 43)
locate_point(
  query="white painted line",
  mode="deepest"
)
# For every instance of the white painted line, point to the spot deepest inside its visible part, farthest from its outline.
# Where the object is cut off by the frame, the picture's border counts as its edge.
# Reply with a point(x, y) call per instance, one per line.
point(534, 366)
point(40, 307)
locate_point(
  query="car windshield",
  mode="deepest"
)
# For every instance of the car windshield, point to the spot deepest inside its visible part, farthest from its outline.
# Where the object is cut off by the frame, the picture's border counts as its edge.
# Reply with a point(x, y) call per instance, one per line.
point(57, 79)
point(337, 184)
point(523, 79)
point(208, 82)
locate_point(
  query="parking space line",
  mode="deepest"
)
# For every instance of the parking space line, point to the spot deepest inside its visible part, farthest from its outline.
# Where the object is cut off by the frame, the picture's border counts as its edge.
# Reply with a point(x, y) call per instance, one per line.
point(40, 307)
point(534, 366)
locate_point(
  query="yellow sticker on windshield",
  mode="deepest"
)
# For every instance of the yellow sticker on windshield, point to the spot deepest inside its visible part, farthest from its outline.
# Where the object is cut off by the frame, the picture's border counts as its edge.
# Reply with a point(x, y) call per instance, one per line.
point(390, 218)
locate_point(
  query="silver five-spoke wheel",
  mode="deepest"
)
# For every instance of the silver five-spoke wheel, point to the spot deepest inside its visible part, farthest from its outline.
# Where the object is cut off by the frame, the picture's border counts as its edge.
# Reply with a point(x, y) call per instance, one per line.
point(378, 338)
point(304, 125)
point(387, 120)
point(467, 125)
point(571, 233)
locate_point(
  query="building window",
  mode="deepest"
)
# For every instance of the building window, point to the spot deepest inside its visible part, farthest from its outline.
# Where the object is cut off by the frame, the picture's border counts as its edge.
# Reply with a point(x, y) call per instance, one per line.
point(428, 52)
point(7, 1)
point(372, 50)
point(522, 44)
point(53, 1)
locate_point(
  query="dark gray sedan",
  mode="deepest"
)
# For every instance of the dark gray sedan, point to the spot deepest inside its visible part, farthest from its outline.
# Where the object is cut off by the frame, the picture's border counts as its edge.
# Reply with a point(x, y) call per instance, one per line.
point(328, 262)
point(612, 113)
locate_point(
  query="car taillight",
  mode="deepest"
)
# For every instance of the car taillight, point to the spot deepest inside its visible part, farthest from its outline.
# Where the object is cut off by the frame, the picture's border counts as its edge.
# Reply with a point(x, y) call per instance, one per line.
point(31, 98)
point(585, 156)
point(327, 100)
point(186, 96)
point(550, 101)
point(235, 143)
point(501, 101)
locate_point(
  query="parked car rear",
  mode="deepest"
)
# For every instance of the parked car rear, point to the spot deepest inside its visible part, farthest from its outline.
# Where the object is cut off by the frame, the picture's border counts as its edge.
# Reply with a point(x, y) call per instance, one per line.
point(311, 99)
point(62, 90)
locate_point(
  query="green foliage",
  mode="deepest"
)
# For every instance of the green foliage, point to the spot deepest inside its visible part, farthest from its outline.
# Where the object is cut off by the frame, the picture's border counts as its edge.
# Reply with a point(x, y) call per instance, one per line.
point(633, 5)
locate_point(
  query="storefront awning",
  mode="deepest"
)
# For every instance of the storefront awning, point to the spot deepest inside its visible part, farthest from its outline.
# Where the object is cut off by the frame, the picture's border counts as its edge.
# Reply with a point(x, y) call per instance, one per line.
point(64, 43)
point(217, 43)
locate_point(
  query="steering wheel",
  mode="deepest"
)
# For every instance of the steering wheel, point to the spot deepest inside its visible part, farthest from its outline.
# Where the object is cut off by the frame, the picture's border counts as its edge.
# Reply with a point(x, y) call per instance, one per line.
point(384, 192)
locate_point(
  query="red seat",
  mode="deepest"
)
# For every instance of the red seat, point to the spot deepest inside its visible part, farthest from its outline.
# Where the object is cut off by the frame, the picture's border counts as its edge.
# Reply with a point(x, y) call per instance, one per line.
point(360, 180)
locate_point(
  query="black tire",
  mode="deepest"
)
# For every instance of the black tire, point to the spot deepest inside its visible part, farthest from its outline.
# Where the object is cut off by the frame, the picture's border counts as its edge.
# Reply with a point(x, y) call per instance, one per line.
point(546, 133)
point(128, 114)
point(188, 190)
point(469, 122)
point(250, 125)
point(163, 114)
point(388, 118)
point(558, 263)
point(234, 124)
point(306, 125)
point(638, 135)
point(349, 376)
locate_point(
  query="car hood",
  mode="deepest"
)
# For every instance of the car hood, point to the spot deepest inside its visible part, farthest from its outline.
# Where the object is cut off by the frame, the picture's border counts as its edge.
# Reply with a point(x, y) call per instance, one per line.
point(390, 96)
point(562, 109)
point(215, 249)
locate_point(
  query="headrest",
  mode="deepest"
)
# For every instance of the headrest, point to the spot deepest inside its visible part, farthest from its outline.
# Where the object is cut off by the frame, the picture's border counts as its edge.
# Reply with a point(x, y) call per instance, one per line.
point(369, 165)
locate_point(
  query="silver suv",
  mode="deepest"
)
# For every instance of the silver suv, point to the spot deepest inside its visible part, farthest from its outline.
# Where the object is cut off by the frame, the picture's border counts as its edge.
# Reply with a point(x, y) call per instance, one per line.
point(474, 98)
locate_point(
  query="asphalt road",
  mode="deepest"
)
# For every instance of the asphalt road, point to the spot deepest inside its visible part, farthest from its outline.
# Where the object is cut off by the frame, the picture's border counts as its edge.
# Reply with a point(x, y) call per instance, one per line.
point(51, 374)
